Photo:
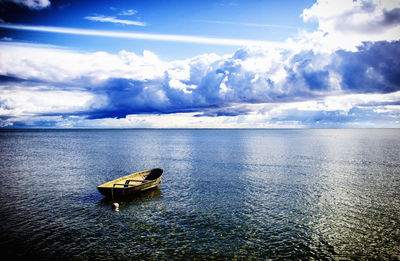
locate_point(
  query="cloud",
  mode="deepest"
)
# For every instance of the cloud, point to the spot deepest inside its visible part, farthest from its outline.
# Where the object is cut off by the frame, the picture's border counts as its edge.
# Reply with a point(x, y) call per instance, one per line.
point(144, 36)
point(128, 12)
point(352, 22)
point(32, 4)
point(67, 67)
point(374, 68)
point(112, 19)
point(258, 85)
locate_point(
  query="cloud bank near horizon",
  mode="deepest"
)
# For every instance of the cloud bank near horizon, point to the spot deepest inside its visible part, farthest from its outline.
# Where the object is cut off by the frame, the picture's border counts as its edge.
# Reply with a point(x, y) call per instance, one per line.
point(256, 83)
point(317, 82)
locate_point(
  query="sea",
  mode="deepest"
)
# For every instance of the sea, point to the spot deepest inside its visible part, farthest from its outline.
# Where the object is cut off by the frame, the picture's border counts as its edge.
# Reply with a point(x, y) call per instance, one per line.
point(226, 194)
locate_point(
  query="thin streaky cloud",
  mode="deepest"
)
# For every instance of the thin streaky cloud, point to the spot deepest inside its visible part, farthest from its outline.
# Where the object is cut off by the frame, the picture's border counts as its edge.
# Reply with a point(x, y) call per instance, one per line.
point(128, 12)
point(123, 11)
point(248, 24)
point(146, 36)
point(112, 19)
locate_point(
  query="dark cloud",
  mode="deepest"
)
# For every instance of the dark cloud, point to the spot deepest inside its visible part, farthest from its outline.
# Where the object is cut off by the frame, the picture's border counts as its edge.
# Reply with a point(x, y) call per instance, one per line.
point(210, 86)
point(125, 96)
point(306, 76)
point(7, 78)
point(374, 68)
point(229, 111)
point(317, 80)
point(391, 17)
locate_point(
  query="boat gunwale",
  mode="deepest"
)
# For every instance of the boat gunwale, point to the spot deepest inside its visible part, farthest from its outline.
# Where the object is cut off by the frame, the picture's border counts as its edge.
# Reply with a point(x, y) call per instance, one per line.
point(106, 185)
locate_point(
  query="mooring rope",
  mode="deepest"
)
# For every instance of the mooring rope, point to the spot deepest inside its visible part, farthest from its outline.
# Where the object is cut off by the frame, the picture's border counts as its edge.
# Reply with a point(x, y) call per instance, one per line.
point(112, 193)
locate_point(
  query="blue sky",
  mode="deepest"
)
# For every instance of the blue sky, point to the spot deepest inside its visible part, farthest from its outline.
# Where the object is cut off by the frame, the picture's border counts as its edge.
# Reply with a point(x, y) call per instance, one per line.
point(222, 64)
point(251, 20)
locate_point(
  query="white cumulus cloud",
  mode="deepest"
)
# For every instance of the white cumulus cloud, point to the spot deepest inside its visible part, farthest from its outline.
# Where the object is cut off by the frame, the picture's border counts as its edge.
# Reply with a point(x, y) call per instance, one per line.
point(46, 63)
point(347, 23)
point(255, 85)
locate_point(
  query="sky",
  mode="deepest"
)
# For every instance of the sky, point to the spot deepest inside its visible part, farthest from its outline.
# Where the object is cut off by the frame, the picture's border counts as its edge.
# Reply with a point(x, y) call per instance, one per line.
point(200, 64)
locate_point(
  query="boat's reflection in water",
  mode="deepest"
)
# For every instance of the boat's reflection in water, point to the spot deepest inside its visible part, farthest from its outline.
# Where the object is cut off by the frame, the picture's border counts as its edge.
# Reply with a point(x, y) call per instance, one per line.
point(142, 196)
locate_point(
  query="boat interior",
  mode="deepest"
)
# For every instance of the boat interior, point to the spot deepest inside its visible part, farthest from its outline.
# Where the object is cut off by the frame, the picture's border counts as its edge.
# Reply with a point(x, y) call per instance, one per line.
point(135, 179)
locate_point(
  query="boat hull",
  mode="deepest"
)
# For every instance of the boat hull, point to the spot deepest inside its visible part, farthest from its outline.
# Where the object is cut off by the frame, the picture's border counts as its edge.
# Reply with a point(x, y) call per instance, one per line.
point(121, 187)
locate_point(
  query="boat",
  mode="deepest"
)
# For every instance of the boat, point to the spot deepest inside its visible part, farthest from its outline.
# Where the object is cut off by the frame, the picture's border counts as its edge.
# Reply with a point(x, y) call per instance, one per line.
point(131, 184)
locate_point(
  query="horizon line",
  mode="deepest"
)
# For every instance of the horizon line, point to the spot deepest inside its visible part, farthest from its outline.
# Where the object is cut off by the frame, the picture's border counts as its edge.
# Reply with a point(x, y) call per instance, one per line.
point(189, 128)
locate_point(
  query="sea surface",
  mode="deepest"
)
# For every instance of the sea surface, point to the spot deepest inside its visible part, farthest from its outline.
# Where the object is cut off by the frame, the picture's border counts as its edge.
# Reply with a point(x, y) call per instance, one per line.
point(226, 194)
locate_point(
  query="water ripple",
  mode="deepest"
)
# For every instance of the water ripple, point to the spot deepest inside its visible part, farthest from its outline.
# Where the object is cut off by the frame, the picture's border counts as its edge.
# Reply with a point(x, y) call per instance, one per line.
point(226, 195)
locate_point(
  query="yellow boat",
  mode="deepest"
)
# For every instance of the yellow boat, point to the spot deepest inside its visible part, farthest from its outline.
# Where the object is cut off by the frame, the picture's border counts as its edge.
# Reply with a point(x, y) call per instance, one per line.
point(132, 183)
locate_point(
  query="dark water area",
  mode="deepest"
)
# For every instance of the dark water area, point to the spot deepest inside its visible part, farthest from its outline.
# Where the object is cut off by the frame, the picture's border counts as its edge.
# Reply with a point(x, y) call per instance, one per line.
point(225, 194)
